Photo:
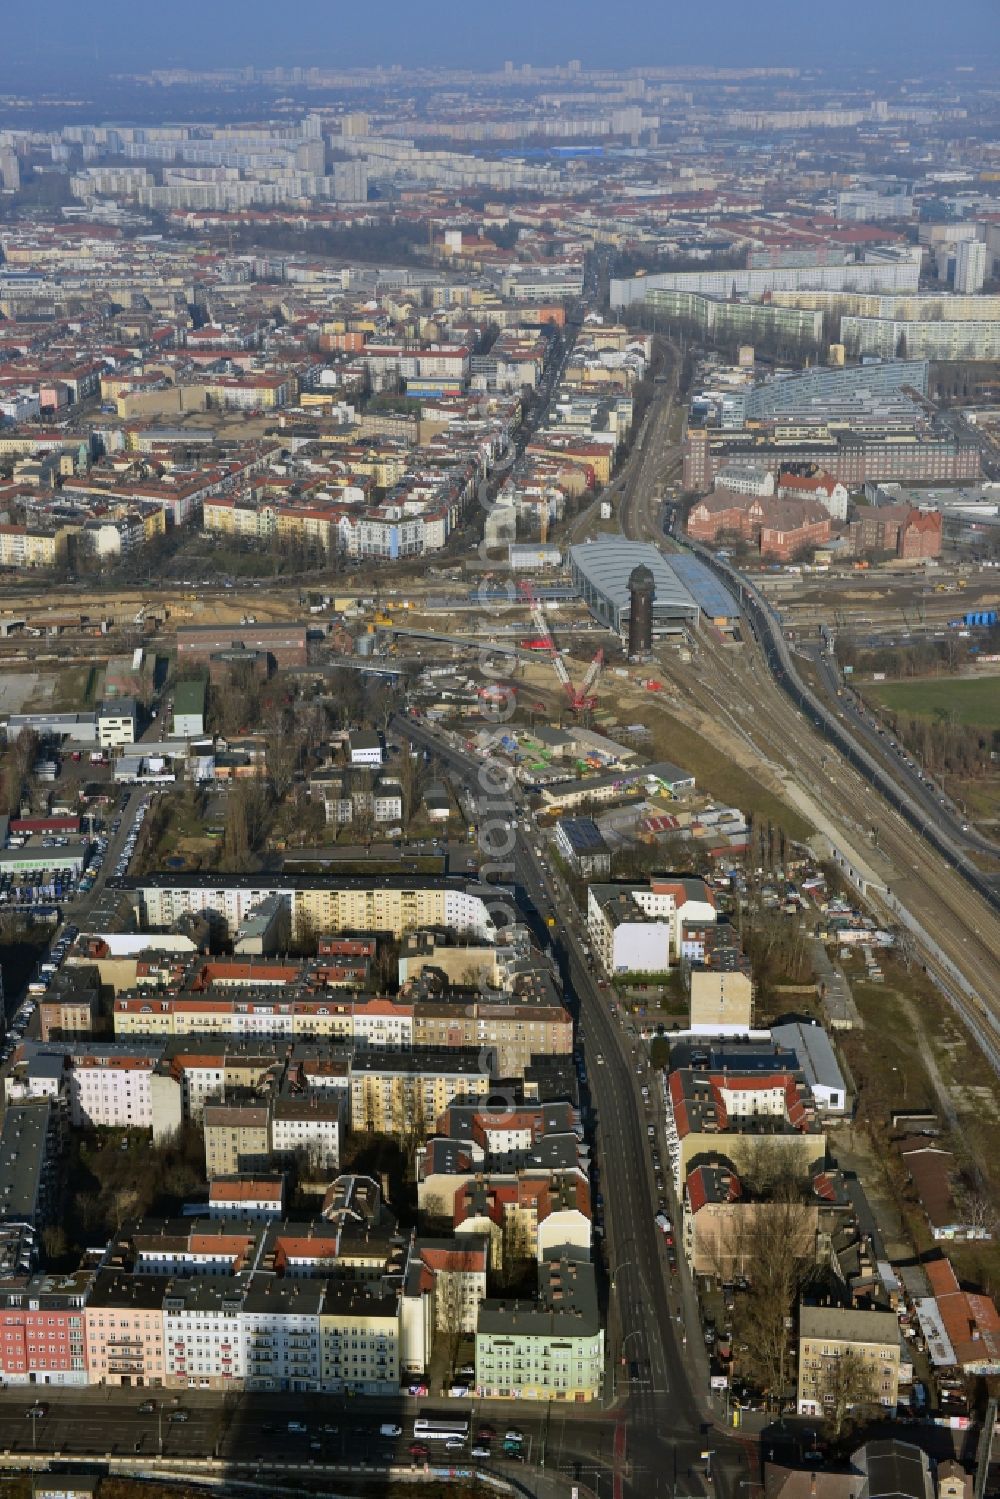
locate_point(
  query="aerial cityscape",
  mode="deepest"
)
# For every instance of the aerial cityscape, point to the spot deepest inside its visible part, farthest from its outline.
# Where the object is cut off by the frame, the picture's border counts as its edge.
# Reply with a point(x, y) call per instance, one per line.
point(500, 751)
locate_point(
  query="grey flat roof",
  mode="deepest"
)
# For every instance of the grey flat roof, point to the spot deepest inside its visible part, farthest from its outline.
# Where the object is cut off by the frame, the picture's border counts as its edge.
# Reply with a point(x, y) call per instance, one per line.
point(22, 1160)
point(607, 563)
point(811, 1045)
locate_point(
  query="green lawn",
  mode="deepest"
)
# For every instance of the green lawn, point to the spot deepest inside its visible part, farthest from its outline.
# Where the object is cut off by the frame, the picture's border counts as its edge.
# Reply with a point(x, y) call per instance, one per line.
point(968, 700)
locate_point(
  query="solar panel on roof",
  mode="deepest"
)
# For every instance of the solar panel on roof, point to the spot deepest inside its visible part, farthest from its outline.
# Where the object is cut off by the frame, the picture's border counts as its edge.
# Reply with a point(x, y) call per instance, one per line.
point(712, 597)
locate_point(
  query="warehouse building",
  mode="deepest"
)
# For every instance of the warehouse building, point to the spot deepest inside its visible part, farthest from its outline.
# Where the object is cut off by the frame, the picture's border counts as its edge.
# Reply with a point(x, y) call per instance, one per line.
point(601, 570)
point(285, 644)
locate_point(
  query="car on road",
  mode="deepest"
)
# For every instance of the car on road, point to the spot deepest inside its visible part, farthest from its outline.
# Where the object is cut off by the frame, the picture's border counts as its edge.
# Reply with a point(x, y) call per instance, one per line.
point(147, 1408)
point(179, 1416)
point(418, 1450)
point(485, 1433)
point(480, 1452)
point(37, 1411)
point(454, 1444)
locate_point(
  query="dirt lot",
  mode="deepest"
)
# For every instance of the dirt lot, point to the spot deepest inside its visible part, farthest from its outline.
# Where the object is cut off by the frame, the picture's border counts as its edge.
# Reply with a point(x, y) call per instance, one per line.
point(17, 689)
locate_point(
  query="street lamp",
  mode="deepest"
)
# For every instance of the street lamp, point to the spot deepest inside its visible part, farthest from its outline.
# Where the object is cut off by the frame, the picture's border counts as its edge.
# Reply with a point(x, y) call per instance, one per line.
point(616, 1271)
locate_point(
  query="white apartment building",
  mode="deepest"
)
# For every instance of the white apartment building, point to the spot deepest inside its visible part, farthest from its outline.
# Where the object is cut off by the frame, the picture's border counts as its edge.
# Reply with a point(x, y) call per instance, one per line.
point(898, 271)
point(638, 928)
point(971, 266)
point(281, 1330)
point(310, 1125)
point(201, 1080)
point(745, 479)
point(390, 905)
point(387, 802)
point(112, 1092)
point(891, 338)
point(204, 1337)
point(383, 1023)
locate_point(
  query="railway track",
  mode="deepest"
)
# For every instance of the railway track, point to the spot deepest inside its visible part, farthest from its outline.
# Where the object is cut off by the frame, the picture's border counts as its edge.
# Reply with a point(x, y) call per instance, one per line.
point(756, 695)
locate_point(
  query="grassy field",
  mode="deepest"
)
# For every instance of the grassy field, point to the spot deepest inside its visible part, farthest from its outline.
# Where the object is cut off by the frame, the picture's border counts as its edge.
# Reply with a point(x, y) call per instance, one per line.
point(722, 777)
point(73, 689)
point(968, 700)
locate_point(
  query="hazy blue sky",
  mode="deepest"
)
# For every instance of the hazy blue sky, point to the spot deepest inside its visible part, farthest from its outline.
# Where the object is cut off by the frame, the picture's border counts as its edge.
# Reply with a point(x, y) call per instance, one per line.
point(103, 34)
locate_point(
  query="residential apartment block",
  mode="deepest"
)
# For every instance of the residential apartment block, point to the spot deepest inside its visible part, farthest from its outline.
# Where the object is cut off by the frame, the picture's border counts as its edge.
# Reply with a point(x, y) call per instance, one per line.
point(549, 1349)
point(830, 1334)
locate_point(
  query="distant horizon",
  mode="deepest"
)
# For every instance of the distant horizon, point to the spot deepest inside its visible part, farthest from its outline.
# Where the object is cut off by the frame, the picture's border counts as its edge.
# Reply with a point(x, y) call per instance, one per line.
point(90, 42)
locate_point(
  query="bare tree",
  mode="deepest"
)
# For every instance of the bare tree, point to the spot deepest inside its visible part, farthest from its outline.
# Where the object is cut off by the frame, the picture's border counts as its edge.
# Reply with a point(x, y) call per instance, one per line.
point(516, 1248)
point(236, 839)
point(25, 752)
point(771, 1170)
point(433, 1207)
point(305, 936)
point(450, 1301)
point(411, 1131)
point(412, 776)
point(246, 822)
point(779, 1247)
point(981, 1210)
point(849, 1392)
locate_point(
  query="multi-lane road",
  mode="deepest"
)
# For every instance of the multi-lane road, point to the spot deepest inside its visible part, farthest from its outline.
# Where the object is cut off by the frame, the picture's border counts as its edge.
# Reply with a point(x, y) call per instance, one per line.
point(561, 1446)
point(657, 1387)
point(924, 858)
point(924, 792)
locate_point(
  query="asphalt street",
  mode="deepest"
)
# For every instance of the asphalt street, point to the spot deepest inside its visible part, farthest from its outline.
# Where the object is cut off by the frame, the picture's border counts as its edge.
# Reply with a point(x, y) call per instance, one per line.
point(926, 795)
point(657, 1385)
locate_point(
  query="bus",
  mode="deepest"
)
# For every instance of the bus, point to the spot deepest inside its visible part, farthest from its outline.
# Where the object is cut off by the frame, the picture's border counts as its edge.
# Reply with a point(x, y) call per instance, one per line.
point(432, 1427)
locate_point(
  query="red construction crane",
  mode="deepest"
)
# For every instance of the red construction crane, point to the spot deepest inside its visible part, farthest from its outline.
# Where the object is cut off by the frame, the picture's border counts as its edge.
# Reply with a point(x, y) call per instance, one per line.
point(582, 701)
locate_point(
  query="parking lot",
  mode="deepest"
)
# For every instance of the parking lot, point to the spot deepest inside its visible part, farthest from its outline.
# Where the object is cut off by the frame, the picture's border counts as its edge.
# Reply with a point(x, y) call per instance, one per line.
point(53, 896)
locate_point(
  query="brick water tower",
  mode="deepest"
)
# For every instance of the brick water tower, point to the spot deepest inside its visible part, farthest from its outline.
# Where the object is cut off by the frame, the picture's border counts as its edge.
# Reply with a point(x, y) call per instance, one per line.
point(641, 591)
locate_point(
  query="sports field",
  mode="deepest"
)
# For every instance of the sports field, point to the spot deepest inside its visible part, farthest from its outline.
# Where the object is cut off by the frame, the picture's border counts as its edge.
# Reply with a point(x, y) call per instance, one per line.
point(967, 700)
